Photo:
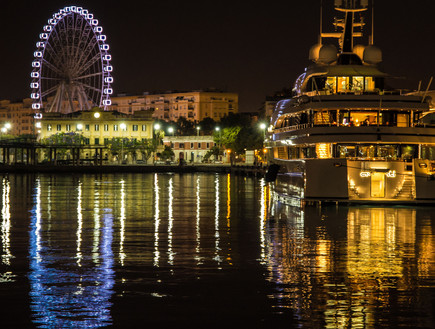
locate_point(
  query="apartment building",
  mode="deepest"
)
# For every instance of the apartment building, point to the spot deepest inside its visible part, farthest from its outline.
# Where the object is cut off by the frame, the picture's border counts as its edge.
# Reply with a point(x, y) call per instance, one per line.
point(16, 118)
point(170, 106)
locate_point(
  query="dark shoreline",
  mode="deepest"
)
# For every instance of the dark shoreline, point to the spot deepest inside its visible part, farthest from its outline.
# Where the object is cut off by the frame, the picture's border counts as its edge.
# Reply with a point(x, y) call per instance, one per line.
point(87, 169)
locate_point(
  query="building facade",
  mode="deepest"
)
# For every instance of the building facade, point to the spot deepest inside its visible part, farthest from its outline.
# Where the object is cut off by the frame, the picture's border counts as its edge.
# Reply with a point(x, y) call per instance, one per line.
point(170, 106)
point(191, 149)
point(16, 118)
point(98, 127)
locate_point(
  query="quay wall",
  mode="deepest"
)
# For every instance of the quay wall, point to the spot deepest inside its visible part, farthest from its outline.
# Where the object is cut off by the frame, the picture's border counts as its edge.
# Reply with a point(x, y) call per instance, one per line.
point(95, 169)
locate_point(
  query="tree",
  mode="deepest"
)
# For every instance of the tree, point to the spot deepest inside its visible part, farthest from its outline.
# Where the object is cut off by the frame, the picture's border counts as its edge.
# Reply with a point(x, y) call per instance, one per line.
point(250, 138)
point(239, 119)
point(229, 136)
point(147, 147)
point(185, 127)
point(207, 125)
point(167, 153)
point(115, 146)
point(63, 139)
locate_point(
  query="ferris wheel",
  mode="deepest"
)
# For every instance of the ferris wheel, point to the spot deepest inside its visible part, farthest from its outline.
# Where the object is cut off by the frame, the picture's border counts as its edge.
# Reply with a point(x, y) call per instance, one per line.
point(71, 67)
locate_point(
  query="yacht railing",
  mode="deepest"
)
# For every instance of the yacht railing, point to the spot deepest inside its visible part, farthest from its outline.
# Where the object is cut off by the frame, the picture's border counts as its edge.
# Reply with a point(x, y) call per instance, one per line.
point(294, 127)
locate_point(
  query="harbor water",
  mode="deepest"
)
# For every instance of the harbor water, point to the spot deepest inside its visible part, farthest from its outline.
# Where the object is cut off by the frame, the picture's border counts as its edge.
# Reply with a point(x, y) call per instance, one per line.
point(204, 250)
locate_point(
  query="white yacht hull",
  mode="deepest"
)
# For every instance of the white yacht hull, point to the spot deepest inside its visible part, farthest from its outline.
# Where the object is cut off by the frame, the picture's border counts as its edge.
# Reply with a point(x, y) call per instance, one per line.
point(356, 181)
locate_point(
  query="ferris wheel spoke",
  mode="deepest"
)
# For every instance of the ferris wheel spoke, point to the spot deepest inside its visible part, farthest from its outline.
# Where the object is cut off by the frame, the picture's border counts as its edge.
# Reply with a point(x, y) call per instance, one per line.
point(88, 76)
point(52, 67)
point(54, 54)
point(51, 79)
point(50, 91)
point(85, 53)
point(83, 41)
point(89, 63)
point(90, 87)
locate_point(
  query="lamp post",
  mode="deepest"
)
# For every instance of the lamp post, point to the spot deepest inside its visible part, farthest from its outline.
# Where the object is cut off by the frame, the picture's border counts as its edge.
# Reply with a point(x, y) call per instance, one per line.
point(197, 130)
point(171, 130)
point(263, 127)
point(157, 137)
point(123, 126)
point(219, 130)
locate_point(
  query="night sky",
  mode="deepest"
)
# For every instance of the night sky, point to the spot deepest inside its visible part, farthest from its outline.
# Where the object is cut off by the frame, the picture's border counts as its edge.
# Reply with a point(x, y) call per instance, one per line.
point(244, 47)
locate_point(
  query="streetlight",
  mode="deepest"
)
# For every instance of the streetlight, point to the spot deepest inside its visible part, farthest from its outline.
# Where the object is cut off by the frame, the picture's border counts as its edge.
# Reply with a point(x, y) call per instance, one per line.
point(197, 130)
point(123, 127)
point(263, 127)
point(171, 130)
point(219, 130)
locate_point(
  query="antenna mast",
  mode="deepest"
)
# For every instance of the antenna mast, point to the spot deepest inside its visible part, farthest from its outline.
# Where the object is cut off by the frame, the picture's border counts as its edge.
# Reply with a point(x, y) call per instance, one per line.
point(321, 20)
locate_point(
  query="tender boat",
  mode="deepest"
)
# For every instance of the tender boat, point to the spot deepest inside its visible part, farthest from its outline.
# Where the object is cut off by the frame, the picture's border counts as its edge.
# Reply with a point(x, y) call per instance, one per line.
point(345, 136)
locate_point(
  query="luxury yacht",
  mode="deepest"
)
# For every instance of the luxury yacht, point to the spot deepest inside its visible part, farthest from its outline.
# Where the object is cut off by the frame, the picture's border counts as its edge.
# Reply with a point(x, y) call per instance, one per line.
point(344, 135)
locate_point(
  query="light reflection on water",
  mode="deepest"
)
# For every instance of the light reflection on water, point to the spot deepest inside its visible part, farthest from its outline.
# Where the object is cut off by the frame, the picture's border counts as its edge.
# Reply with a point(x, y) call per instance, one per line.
point(101, 245)
point(66, 293)
point(358, 267)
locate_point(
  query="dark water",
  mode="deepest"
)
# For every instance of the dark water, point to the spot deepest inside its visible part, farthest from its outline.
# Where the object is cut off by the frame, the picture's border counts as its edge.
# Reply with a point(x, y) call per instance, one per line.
point(206, 251)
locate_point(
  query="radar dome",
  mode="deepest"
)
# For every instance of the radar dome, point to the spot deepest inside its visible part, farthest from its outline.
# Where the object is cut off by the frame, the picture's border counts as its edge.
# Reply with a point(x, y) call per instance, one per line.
point(327, 54)
point(314, 52)
point(359, 51)
point(372, 55)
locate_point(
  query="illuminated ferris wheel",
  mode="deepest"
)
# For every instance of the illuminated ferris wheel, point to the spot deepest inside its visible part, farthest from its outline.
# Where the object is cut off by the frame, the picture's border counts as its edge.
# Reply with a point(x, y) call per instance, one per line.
point(71, 66)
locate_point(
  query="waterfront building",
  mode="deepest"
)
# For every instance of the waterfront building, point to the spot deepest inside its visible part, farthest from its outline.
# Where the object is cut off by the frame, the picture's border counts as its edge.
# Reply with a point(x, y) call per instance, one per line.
point(98, 127)
point(16, 118)
point(192, 149)
point(170, 106)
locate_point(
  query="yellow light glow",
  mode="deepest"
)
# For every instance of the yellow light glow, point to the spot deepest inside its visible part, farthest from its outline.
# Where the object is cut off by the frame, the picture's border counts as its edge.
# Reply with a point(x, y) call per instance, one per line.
point(323, 151)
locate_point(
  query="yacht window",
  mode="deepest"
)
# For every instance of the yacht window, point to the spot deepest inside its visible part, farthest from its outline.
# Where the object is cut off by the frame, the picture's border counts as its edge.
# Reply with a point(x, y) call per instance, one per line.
point(323, 150)
point(428, 152)
point(331, 84)
point(362, 118)
point(388, 152)
point(369, 84)
point(321, 118)
point(342, 84)
point(408, 151)
point(345, 151)
point(357, 83)
point(366, 151)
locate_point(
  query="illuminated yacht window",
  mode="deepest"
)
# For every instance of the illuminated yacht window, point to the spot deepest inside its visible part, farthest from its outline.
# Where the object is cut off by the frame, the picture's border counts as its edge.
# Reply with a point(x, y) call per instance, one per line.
point(369, 84)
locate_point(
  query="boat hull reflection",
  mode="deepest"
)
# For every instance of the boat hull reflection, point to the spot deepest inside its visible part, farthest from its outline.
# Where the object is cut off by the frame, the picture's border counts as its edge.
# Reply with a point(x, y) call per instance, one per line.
point(339, 267)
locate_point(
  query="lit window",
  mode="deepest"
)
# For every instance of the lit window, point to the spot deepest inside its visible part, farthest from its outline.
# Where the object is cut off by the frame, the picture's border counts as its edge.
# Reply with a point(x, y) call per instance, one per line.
point(59, 127)
point(68, 128)
point(106, 127)
point(369, 84)
point(115, 127)
point(144, 127)
point(97, 127)
point(134, 128)
point(49, 127)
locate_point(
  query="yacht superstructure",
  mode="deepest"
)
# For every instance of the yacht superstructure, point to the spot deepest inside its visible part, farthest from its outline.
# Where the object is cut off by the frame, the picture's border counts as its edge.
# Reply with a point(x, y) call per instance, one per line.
point(345, 135)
